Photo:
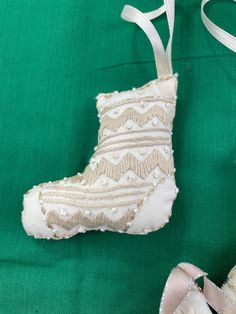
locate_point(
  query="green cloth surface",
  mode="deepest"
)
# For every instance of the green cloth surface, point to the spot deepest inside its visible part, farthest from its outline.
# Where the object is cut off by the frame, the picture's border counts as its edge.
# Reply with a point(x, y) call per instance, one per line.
point(55, 57)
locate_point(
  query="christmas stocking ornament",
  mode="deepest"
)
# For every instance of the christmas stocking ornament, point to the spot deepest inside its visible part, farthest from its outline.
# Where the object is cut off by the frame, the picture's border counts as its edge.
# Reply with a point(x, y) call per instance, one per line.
point(129, 184)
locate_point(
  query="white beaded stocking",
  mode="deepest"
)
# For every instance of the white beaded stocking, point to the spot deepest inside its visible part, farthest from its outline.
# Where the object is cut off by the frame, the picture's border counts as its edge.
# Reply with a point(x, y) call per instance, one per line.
point(128, 185)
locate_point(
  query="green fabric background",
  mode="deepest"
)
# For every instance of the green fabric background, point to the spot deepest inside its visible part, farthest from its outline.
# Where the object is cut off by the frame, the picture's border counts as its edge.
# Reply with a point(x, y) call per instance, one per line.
point(55, 57)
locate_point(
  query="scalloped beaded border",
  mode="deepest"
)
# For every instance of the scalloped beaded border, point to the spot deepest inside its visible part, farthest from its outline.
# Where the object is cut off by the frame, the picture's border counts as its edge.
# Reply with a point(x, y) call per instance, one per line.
point(152, 82)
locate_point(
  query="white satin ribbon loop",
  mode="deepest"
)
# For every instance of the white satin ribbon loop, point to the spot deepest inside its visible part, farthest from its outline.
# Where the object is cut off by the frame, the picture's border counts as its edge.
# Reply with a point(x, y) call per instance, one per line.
point(162, 56)
point(224, 37)
point(156, 13)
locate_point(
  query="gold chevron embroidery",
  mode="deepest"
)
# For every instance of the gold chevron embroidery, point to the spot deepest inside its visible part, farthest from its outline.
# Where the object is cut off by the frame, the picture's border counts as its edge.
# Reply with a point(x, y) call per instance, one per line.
point(129, 162)
point(80, 219)
point(146, 99)
point(138, 118)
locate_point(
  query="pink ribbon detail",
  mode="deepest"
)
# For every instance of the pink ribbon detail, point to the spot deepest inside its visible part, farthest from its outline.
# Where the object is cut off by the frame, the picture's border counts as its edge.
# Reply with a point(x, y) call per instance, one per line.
point(182, 279)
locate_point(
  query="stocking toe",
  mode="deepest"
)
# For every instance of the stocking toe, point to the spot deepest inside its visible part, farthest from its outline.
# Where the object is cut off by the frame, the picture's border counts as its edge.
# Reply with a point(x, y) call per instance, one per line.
point(33, 217)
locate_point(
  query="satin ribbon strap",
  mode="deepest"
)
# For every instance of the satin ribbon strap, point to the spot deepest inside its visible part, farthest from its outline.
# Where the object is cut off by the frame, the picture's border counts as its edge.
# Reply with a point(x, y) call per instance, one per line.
point(182, 279)
point(217, 299)
point(143, 20)
point(224, 37)
point(154, 14)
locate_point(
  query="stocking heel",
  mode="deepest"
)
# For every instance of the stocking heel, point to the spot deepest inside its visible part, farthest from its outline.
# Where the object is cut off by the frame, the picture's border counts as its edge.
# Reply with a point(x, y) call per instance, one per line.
point(156, 208)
